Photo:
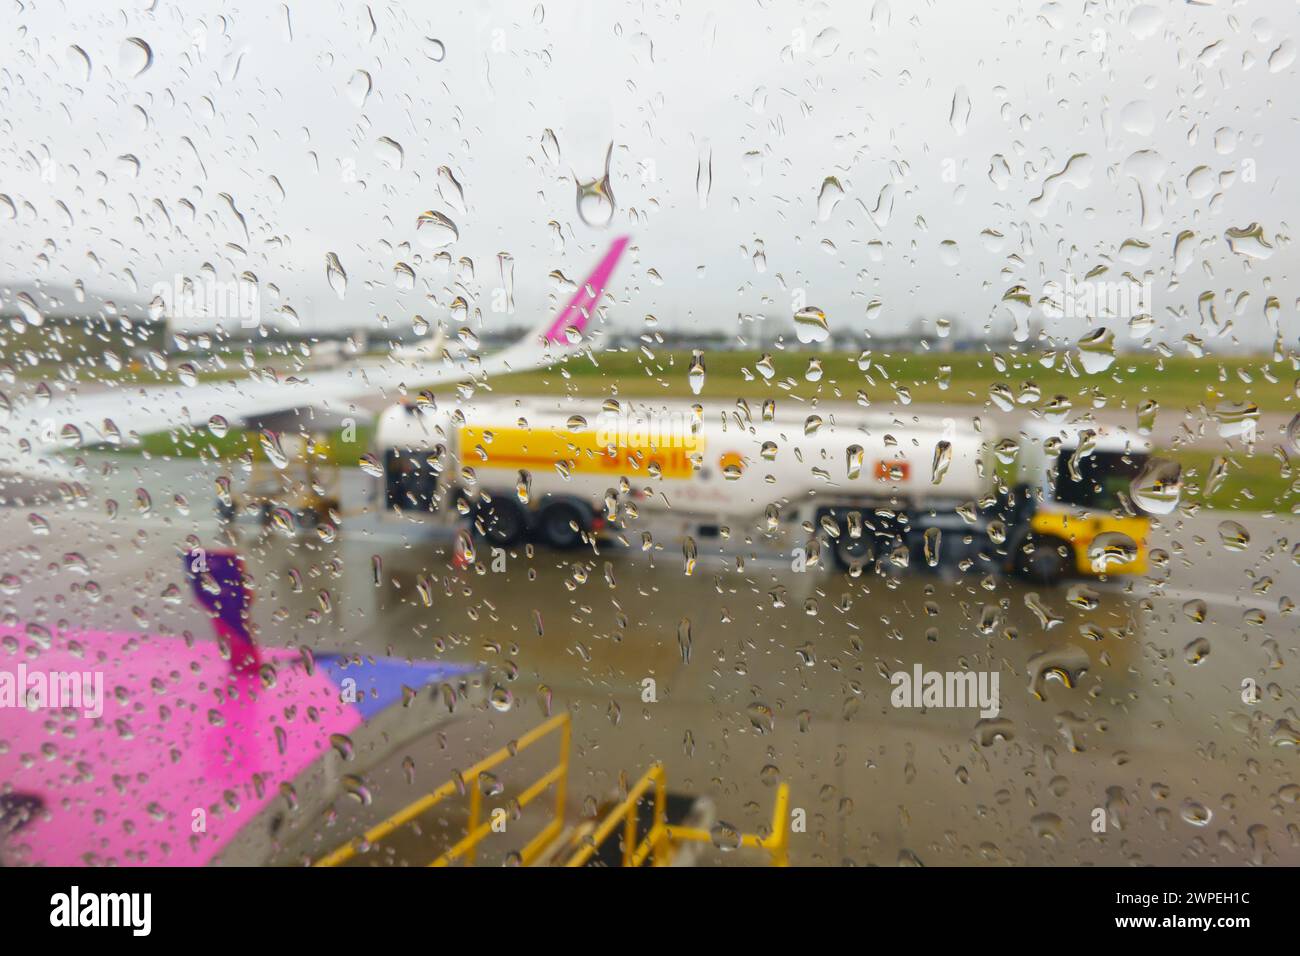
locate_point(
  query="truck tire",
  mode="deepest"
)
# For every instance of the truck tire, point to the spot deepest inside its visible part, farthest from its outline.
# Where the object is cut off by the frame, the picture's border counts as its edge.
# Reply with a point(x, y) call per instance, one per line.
point(848, 551)
point(555, 525)
point(503, 521)
point(1040, 560)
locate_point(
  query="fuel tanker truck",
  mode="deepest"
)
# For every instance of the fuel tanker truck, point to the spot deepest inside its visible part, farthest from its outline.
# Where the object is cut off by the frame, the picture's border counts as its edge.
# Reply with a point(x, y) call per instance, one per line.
point(1046, 503)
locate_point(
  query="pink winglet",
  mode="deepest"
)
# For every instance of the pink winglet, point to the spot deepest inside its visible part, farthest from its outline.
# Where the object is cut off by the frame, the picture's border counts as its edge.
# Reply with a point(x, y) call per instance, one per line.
point(585, 299)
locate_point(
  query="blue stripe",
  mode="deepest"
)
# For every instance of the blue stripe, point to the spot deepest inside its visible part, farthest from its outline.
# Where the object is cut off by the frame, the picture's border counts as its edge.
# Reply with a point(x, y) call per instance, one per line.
point(379, 683)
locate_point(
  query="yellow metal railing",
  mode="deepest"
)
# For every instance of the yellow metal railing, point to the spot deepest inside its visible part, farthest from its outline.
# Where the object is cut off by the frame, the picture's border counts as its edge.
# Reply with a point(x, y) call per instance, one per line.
point(658, 844)
point(475, 831)
point(662, 836)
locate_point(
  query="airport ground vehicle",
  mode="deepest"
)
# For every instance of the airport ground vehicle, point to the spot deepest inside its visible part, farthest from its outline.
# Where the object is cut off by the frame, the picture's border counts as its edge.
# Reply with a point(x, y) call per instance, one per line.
point(305, 491)
point(868, 487)
point(1066, 513)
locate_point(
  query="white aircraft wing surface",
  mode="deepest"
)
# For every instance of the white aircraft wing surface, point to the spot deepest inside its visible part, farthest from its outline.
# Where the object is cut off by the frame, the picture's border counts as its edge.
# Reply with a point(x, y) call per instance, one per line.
point(34, 433)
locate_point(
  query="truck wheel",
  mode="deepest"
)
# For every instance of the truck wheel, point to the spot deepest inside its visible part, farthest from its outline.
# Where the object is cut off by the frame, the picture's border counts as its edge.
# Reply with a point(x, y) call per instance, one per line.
point(504, 522)
point(1042, 562)
point(850, 551)
point(556, 525)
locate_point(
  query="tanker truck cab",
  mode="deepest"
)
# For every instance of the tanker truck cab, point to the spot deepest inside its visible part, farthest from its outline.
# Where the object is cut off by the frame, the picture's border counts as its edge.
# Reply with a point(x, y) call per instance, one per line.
point(1073, 515)
point(411, 440)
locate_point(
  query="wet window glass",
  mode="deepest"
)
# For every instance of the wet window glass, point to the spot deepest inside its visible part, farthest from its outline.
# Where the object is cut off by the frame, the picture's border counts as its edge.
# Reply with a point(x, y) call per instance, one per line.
point(495, 434)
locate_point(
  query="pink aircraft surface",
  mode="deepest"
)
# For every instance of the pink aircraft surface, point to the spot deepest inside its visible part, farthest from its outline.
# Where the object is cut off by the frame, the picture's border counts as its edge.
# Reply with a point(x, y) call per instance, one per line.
point(147, 749)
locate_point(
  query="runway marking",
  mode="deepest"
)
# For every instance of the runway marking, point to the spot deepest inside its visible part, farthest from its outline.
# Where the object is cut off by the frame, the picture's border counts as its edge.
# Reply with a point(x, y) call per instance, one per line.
point(1184, 595)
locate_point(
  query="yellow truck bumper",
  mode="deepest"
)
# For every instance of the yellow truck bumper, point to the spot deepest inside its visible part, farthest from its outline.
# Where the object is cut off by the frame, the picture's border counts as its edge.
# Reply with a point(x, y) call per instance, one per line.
point(1080, 528)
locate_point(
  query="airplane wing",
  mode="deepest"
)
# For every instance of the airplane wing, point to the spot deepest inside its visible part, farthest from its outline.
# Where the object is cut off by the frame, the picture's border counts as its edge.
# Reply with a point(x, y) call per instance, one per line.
point(180, 761)
point(31, 438)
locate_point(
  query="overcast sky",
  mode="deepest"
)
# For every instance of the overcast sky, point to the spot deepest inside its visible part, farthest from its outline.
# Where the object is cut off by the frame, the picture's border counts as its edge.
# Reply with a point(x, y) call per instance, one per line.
point(943, 122)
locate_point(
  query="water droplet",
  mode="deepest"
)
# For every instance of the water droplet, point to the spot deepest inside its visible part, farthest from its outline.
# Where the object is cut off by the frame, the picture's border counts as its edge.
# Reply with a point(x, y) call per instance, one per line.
point(389, 152)
point(79, 60)
point(1195, 610)
point(1249, 241)
point(942, 459)
point(1109, 549)
point(959, 114)
point(725, 836)
point(342, 744)
point(1077, 172)
point(550, 147)
point(27, 307)
point(595, 197)
point(932, 539)
point(135, 56)
point(1158, 486)
point(704, 177)
point(828, 197)
point(684, 639)
point(338, 279)
point(433, 230)
point(355, 787)
point(359, 86)
point(689, 554)
point(695, 375)
point(1196, 651)
point(1097, 351)
point(1233, 535)
point(810, 325)
point(854, 456)
point(270, 443)
point(1236, 419)
point(761, 717)
point(434, 49)
point(1197, 814)
point(1066, 665)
